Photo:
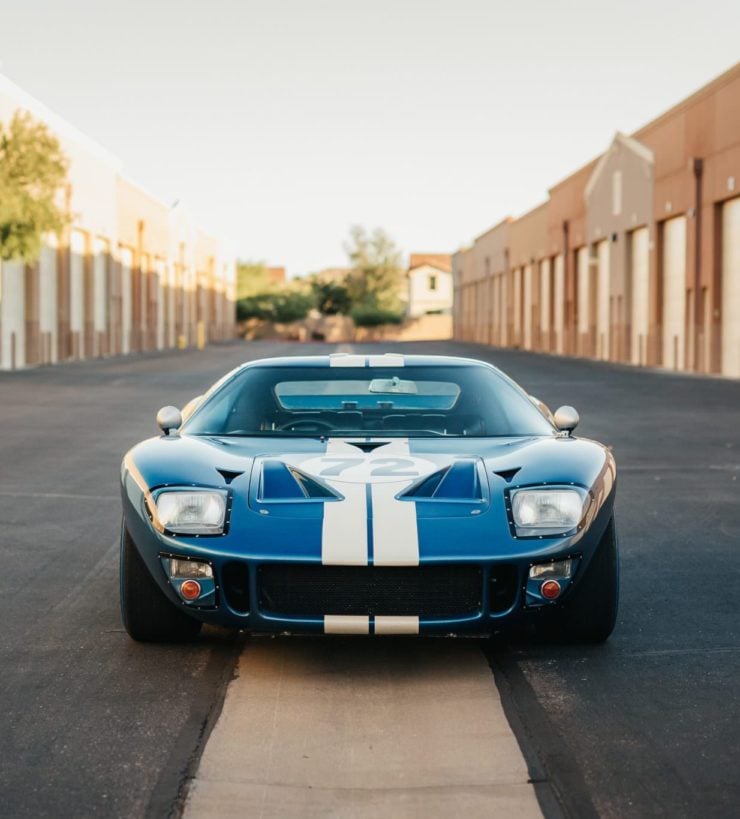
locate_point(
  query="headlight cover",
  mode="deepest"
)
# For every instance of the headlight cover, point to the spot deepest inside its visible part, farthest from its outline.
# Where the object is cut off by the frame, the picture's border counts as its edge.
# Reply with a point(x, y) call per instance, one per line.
point(192, 512)
point(542, 511)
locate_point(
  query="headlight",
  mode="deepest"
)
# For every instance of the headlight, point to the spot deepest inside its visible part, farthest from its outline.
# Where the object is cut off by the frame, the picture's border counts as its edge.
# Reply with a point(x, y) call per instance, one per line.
point(547, 511)
point(200, 512)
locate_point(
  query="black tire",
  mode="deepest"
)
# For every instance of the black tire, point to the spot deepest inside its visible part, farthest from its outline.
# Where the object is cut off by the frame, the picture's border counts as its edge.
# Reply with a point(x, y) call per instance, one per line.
point(148, 616)
point(590, 613)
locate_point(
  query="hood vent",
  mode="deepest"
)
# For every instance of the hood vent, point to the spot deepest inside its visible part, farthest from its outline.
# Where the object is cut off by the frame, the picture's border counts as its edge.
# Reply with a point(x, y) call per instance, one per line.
point(368, 446)
point(507, 474)
point(228, 475)
point(460, 482)
point(281, 482)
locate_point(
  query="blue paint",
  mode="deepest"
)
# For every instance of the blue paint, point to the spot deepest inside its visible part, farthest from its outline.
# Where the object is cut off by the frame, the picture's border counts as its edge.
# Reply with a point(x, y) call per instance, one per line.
point(463, 518)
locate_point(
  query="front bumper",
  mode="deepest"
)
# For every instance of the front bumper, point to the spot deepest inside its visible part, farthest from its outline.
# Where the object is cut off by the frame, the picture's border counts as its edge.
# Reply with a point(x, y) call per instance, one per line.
point(494, 592)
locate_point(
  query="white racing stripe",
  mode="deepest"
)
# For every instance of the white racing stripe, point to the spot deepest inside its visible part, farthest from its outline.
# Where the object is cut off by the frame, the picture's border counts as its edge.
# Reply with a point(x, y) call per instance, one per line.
point(353, 360)
point(346, 360)
point(386, 624)
point(346, 624)
point(386, 360)
point(395, 531)
point(344, 529)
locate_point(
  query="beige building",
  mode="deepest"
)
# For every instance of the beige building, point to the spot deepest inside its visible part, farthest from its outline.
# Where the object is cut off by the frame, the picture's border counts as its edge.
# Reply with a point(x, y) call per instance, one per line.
point(129, 274)
point(634, 258)
point(429, 284)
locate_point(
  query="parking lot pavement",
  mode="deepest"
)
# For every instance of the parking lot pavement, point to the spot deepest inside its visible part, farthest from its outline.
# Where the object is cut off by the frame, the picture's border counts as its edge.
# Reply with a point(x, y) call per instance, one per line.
point(94, 724)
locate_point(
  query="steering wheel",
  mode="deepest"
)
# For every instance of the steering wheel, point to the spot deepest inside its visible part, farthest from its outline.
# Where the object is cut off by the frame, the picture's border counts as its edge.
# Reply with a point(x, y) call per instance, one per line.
point(306, 425)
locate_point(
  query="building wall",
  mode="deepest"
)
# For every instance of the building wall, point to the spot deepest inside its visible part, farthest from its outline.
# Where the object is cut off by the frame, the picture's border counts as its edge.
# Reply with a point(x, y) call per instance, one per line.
point(129, 273)
point(634, 256)
point(422, 299)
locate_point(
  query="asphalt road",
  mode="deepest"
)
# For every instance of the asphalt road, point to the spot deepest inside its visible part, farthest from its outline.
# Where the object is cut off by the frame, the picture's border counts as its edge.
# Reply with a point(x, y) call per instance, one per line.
point(92, 724)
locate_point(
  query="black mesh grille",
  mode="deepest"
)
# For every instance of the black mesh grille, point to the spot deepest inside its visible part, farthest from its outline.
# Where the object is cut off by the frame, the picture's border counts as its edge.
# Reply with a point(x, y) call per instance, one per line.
point(235, 578)
point(427, 591)
point(504, 587)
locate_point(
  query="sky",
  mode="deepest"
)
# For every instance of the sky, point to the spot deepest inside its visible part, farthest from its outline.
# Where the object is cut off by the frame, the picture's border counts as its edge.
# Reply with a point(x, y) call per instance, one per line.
point(281, 123)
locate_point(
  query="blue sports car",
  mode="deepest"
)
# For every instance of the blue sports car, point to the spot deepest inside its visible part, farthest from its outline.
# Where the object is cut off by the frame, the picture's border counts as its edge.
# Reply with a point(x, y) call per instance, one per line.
point(368, 494)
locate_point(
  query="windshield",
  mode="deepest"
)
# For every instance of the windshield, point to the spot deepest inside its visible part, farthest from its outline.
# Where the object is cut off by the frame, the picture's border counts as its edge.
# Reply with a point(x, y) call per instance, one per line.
point(450, 401)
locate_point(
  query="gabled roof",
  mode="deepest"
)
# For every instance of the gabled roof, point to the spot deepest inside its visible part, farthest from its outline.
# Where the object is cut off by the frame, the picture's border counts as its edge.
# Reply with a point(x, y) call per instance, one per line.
point(441, 261)
point(620, 141)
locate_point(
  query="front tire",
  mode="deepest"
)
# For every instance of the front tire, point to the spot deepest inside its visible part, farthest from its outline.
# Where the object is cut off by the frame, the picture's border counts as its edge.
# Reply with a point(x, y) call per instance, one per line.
point(589, 614)
point(148, 616)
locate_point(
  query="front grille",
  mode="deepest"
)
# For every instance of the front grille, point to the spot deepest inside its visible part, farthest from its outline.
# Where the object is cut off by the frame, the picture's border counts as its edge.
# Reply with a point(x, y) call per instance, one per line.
point(235, 577)
point(426, 591)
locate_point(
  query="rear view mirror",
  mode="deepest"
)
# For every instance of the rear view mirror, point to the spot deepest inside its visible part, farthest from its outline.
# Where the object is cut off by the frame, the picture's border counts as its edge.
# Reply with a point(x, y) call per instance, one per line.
point(393, 386)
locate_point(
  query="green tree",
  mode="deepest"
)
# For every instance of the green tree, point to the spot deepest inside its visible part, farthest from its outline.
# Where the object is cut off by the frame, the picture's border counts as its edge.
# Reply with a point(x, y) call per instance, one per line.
point(375, 277)
point(332, 298)
point(33, 170)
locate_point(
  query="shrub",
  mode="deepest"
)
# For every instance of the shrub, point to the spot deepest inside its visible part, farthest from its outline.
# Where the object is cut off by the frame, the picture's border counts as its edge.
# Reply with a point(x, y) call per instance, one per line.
point(332, 298)
point(279, 307)
point(372, 315)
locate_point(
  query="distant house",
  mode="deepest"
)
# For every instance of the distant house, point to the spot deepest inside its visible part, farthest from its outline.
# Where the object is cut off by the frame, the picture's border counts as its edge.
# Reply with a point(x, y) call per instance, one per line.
point(429, 279)
point(276, 275)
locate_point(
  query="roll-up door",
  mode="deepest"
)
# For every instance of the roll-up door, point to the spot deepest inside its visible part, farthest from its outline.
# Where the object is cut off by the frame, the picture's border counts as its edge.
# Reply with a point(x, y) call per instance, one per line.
point(100, 294)
point(48, 324)
point(527, 295)
point(126, 299)
point(77, 292)
point(544, 313)
point(639, 294)
point(731, 288)
point(674, 293)
point(603, 288)
point(12, 315)
point(558, 312)
point(584, 302)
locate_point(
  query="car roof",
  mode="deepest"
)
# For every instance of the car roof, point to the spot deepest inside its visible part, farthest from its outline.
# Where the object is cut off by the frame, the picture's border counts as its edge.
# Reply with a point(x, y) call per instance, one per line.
point(367, 360)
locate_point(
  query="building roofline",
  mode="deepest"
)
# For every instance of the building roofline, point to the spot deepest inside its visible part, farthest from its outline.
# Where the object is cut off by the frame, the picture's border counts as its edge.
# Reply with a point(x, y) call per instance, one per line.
point(625, 141)
point(712, 86)
point(507, 220)
point(56, 122)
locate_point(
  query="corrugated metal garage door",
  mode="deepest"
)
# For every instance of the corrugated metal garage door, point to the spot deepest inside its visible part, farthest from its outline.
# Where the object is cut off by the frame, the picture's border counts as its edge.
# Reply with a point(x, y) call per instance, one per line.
point(559, 303)
point(674, 293)
point(12, 315)
point(517, 306)
point(100, 293)
point(76, 291)
point(48, 300)
point(603, 288)
point(639, 294)
point(731, 288)
point(127, 260)
point(527, 296)
point(545, 295)
point(584, 302)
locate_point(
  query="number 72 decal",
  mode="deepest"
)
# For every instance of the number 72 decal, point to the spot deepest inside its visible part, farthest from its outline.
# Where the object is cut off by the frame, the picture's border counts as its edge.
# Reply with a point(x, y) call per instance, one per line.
point(367, 470)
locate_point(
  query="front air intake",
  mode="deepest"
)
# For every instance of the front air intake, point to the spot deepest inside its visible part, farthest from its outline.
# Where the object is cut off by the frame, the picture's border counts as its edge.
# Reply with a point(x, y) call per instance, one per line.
point(235, 579)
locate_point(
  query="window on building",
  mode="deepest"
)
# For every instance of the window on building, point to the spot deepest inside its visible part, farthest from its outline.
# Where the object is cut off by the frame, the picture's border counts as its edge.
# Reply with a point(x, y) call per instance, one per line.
point(617, 193)
point(432, 282)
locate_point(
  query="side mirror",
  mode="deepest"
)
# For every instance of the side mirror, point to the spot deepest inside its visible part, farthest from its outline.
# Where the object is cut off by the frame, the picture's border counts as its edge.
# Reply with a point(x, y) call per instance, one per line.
point(566, 419)
point(169, 418)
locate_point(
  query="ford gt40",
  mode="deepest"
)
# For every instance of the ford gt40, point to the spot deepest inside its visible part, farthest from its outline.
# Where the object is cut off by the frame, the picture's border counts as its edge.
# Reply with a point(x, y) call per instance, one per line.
point(368, 494)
